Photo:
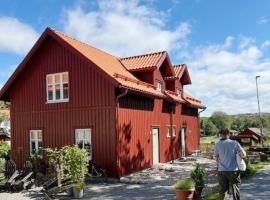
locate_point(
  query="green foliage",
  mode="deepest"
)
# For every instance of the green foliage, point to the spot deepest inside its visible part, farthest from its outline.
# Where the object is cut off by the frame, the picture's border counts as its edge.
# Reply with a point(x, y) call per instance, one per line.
point(185, 184)
point(210, 128)
point(72, 161)
point(75, 162)
point(79, 185)
point(238, 124)
point(221, 120)
point(4, 150)
point(198, 175)
point(55, 156)
point(3, 105)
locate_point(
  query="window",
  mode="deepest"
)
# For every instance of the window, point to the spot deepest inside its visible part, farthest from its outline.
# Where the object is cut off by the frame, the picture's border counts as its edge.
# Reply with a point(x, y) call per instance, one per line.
point(57, 87)
point(179, 92)
point(168, 128)
point(83, 140)
point(168, 132)
point(159, 86)
point(35, 142)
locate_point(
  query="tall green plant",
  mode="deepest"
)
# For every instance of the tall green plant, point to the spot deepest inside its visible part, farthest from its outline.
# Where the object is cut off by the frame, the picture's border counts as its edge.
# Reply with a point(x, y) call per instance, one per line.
point(198, 175)
point(75, 163)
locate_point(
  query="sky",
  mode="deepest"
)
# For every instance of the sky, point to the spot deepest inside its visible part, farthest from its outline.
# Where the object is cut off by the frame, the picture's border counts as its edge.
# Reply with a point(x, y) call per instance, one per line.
point(224, 43)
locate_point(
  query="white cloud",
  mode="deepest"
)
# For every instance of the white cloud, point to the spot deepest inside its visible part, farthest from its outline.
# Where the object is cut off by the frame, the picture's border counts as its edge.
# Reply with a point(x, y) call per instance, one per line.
point(15, 36)
point(124, 28)
point(266, 44)
point(262, 20)
point(225, 79)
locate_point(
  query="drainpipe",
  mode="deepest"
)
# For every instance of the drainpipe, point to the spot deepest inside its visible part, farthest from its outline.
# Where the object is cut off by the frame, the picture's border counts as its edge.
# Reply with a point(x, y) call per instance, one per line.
point(116, 126)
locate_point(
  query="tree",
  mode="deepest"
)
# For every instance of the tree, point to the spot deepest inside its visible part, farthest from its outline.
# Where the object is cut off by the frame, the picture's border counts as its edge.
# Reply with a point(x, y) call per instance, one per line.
point(237, 124)
point(210, 128)
point(221, 120)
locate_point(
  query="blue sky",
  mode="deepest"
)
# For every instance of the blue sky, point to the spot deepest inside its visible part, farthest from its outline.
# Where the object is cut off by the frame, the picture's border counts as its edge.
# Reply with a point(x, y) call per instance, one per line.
point(225, 43)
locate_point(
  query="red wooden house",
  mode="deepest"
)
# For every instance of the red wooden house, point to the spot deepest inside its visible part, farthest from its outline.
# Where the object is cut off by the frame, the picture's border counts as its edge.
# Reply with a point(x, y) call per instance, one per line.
point(128, 112)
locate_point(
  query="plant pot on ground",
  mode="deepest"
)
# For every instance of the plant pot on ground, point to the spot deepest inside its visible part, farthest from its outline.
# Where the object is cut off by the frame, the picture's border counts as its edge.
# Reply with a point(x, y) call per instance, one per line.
point(198, 175)
point(78, 190)
point(185, 189)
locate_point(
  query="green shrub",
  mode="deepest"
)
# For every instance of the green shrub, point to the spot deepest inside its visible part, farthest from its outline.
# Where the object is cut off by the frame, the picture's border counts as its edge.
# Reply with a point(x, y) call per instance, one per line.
point(198, 175)
point(75, 163)
point(79, 185)
point(185, 184)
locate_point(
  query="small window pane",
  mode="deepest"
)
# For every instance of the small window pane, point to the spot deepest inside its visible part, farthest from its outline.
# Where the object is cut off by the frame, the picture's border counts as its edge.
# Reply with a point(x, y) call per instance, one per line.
point(57, 92)
point(57, 78)
point(50, 92)
point(65, 91)
point(65, 77)
point(49, 80)
point(33, 135)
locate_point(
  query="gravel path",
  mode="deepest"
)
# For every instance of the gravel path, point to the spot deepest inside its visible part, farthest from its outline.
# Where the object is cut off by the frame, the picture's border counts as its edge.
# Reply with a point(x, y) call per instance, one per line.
point(258, 187)
point(154, 183)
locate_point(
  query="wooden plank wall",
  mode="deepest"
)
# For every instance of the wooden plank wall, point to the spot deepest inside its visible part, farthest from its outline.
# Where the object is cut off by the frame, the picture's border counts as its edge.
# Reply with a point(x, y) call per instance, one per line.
point(91, 104)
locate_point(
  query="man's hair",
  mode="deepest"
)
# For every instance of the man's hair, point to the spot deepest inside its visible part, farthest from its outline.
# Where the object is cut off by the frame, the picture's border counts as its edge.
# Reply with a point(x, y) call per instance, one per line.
point(224, 131)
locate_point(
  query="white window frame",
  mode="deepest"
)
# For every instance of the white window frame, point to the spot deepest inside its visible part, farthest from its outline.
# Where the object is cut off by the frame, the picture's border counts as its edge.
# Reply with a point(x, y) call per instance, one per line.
point(36, 140)
point(168, 128)
point(159, 86)
point(62, 99)
point(77, 139)
point(179, 92)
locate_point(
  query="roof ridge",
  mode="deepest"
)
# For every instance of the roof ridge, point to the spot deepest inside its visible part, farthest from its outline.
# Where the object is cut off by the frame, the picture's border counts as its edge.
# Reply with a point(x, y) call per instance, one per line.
point(142, 55)
point(84, 43)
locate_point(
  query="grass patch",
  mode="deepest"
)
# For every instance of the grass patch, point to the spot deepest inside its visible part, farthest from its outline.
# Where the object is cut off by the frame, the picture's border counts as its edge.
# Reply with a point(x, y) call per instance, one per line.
point(212, 196)
point(210, 139)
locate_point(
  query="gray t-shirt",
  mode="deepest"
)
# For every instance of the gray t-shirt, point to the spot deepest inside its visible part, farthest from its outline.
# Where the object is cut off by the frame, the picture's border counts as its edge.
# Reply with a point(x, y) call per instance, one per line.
point(226, 151)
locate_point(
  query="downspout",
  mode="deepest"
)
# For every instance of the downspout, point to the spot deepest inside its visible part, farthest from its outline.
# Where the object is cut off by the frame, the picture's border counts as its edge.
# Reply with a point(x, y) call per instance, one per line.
point(117, 129)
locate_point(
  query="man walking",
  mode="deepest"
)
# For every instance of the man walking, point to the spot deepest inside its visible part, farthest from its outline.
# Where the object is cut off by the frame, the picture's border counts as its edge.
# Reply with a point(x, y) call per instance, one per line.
point(228, 172)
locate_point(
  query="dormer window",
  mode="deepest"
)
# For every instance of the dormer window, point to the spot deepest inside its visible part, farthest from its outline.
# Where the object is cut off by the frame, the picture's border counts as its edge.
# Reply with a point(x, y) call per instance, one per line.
point(179, 92)
point(57, 87)
point(159, 86)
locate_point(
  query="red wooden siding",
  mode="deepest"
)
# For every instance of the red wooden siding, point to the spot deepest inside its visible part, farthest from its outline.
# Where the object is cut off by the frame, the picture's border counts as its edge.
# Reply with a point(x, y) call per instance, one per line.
point(135, 139)
point(91, 104)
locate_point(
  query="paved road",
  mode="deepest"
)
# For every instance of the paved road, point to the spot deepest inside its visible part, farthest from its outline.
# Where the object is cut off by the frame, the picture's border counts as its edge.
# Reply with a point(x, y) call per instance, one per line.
point(258, 187)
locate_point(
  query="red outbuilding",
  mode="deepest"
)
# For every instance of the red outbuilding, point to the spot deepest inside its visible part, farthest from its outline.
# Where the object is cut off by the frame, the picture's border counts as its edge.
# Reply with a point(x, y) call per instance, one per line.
point(129, 113)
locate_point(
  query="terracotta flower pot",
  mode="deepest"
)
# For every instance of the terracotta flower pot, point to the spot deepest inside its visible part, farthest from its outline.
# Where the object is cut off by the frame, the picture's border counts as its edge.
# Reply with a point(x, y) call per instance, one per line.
point(186, 194)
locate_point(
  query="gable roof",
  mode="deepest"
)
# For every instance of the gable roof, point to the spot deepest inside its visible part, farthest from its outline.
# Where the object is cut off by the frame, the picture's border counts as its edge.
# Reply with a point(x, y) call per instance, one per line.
point(266, 131)
point(181, 72)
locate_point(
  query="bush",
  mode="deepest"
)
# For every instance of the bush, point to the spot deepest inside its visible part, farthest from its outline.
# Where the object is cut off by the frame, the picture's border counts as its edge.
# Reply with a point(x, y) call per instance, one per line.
point(198, 175)
point(185, 184)
point(4, 150)
point(75, 163)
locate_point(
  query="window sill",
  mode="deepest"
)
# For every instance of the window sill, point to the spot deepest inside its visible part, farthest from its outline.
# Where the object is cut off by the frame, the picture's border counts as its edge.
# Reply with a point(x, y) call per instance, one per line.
point(58, 101)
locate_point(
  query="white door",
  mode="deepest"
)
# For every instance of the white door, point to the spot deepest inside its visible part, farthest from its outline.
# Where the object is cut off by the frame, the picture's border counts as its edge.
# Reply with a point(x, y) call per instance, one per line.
point(155, 133)
point(183, 141)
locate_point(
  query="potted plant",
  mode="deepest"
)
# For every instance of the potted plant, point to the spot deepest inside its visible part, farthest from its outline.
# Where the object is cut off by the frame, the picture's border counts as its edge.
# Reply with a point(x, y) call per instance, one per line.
point(198, 175)
point(185, 189)
point(75, 162)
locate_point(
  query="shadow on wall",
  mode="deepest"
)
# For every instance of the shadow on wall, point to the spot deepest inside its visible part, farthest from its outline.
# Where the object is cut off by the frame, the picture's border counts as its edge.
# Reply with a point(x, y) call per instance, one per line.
point(132, 155)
